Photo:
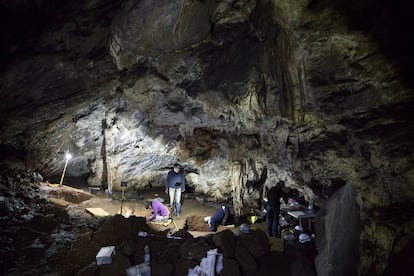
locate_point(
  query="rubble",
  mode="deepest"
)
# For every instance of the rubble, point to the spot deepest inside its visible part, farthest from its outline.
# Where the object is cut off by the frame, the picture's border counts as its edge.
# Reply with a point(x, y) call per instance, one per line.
point(38, 235)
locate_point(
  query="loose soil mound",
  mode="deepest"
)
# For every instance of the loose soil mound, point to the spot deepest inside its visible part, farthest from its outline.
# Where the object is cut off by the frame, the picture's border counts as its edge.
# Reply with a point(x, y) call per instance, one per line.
point(70, 194)
point(196, 223)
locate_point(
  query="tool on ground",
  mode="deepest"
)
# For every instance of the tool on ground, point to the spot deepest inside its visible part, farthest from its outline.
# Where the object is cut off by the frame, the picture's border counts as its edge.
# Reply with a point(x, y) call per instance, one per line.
point(174, 238)
point(144, 234)
point(175, 225)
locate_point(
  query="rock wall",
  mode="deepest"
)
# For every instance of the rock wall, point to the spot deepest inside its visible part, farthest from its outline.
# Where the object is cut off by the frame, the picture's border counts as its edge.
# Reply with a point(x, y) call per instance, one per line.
point(347, 80)
point(338, 224)
point(309, 89)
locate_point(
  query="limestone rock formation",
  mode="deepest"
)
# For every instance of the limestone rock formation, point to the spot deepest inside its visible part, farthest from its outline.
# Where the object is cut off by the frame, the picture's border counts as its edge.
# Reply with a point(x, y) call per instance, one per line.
point(319, 92)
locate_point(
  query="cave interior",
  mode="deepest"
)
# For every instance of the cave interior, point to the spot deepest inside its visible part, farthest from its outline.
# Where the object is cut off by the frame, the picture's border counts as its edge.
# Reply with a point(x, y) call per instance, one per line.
point(241, 93)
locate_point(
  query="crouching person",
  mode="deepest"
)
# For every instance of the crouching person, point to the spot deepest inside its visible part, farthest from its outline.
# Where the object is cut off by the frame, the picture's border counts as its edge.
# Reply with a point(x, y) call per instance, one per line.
point(221, 216)
point(159, 211)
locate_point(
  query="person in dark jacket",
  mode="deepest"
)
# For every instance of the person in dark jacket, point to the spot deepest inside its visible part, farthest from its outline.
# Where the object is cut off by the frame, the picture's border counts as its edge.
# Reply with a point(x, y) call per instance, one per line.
point(273, 207)
point(221, 216)
point(174, 186)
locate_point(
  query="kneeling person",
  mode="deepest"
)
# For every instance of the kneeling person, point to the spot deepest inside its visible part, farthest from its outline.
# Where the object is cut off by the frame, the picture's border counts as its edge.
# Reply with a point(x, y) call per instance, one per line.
point(221, 216)
point(159, 211)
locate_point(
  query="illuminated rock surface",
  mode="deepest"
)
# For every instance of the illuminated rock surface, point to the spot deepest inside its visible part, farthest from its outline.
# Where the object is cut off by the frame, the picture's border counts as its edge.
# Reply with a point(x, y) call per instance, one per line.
point(319, 92)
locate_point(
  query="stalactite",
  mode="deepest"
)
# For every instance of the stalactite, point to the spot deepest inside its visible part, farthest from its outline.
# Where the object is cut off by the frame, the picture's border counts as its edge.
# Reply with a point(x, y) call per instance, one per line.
point(287, 75)
point(180, 24)
point(110, 166)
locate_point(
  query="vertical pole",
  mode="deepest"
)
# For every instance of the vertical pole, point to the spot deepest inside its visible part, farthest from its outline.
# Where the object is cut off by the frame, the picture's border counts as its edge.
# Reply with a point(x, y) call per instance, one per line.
point(111, 170)
point(63, 173)
point(122, 199)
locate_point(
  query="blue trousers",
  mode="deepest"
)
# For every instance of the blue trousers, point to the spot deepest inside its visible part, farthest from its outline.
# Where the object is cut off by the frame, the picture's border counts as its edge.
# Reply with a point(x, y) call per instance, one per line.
point(272, 220)
point(175, 199)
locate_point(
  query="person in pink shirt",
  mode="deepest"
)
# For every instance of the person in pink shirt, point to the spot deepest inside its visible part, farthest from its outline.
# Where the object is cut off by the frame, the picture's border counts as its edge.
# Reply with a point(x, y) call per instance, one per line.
point(159, 210)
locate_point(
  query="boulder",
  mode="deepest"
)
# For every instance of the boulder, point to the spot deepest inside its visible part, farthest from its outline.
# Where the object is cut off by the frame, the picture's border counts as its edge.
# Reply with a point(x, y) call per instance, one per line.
point(196, 249)
point(225, 241)
point(272, 262)
point(230, 268)
point(244, 258)
point(256, 242)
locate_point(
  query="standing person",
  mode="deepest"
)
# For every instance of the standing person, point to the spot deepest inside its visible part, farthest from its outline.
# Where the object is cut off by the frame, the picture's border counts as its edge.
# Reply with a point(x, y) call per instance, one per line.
point(273, 207)
point(174, 186)
point(159, 211)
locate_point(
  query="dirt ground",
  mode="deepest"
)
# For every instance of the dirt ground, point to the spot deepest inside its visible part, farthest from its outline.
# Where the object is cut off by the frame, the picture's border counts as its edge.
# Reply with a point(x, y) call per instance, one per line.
point(82, 254)
point(133, 205)
point(43, 224)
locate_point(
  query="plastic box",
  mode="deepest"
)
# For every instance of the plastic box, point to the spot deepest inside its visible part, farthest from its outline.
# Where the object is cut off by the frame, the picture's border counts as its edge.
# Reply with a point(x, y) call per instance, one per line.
point(105, 254)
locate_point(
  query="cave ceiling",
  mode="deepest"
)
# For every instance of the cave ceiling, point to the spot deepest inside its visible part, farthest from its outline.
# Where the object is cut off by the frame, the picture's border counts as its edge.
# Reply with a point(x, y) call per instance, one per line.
point(320, 92)
point(80, 75)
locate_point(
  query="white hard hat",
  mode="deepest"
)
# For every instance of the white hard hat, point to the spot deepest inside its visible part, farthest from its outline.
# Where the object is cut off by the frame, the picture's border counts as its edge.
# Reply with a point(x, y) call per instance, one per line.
point(304, 238)
point(299, 228)
point(244, 228)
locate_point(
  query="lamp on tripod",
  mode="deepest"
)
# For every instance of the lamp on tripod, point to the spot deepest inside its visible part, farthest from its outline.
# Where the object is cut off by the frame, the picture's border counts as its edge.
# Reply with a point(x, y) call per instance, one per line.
point(67, 157)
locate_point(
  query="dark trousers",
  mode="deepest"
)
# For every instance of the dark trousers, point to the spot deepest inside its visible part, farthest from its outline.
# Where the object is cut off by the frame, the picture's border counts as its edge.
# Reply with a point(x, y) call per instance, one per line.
point(221, 216)
point(272, 220)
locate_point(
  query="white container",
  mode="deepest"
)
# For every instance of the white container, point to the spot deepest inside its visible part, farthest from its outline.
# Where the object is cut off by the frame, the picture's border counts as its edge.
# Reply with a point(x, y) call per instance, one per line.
point(105, 254)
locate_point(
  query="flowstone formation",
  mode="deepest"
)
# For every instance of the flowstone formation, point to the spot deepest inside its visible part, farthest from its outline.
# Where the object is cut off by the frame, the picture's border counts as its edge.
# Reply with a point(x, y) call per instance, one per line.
point(312, 90)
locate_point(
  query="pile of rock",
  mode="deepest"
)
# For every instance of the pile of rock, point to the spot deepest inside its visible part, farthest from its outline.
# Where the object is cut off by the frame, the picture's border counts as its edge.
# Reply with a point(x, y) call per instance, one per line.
point(243, 253)
point(34, 234)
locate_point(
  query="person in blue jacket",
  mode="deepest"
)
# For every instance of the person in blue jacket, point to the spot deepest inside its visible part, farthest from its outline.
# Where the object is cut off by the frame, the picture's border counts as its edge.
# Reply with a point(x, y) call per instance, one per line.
point(174, 186)
point(221, 216)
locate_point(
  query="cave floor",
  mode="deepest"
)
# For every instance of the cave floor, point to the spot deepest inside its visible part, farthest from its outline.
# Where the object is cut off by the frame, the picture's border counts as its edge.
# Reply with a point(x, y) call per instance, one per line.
point(133, 205)
point(60, 228)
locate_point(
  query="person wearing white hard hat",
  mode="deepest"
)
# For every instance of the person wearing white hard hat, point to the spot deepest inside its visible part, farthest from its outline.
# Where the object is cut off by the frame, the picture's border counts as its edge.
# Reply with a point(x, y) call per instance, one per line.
point(303, 238)
point(244, 228)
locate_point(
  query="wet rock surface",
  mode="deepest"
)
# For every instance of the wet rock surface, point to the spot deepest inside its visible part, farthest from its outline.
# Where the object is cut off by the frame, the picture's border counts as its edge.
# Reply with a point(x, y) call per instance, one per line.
point(320, 92)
